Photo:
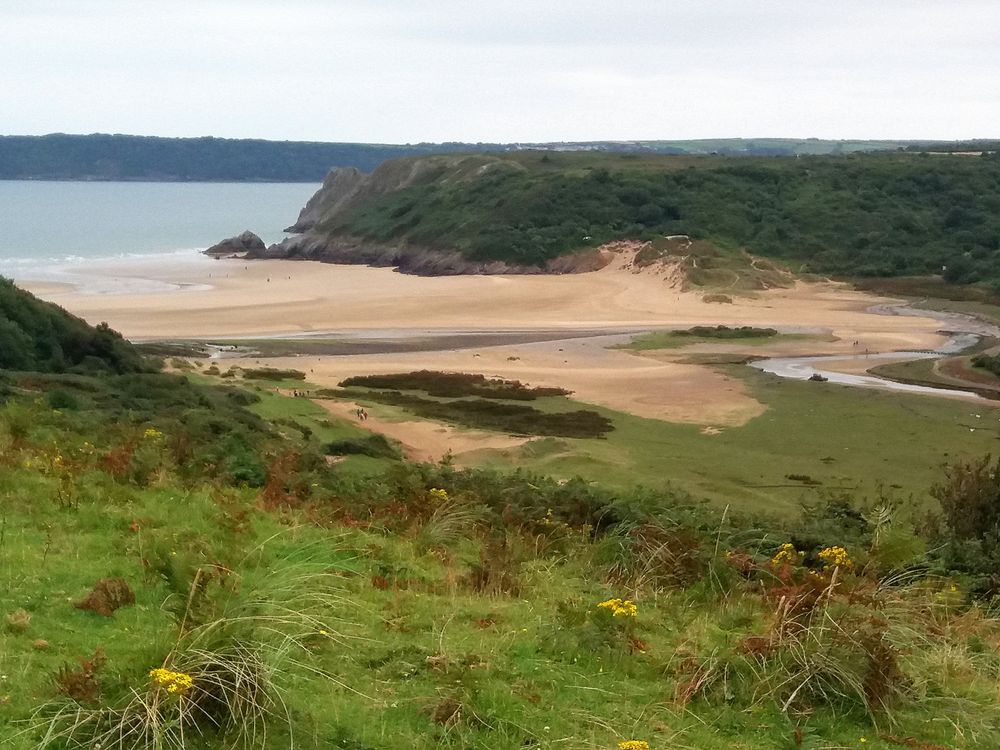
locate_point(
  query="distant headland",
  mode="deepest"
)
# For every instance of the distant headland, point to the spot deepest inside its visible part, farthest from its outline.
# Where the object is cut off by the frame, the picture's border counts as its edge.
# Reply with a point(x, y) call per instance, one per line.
point(107, 157)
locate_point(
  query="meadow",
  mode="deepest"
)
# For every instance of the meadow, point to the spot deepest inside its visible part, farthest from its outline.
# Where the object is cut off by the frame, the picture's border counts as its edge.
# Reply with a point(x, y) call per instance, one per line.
point(833, 439)
point(422, 606)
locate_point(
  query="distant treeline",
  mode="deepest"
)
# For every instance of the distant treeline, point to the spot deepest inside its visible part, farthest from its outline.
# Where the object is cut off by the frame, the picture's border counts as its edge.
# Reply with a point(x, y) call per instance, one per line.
point(130, 157)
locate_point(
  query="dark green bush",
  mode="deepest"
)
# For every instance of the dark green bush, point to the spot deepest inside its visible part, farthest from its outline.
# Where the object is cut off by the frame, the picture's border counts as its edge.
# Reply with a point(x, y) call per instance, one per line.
point(453, 385)
point(42, 337)
point(376, 446)
point(517, 419)
point(271, 373)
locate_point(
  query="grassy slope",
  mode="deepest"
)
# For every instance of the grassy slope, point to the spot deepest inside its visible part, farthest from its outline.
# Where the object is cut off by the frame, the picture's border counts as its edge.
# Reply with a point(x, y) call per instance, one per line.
point(845, 438)
point(414, 654)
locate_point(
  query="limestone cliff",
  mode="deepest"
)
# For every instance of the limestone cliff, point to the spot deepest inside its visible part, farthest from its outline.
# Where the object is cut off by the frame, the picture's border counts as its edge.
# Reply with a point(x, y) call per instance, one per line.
point(320, 233)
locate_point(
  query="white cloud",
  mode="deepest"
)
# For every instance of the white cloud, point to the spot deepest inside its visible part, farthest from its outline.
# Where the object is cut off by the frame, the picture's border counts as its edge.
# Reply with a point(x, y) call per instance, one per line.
point(410, 70)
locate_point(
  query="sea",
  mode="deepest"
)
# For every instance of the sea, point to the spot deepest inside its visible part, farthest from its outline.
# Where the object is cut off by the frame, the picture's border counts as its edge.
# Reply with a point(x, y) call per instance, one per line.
point(53, 231)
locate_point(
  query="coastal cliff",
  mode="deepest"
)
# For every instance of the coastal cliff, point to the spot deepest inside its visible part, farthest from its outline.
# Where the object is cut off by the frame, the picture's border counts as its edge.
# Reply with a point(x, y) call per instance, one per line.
point(323, 226)
point(864, 216)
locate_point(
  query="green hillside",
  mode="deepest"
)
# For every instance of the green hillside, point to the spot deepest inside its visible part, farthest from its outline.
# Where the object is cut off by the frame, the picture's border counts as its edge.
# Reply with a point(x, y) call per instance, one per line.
point(899, 214)
point(36, 335)
point(184, 566)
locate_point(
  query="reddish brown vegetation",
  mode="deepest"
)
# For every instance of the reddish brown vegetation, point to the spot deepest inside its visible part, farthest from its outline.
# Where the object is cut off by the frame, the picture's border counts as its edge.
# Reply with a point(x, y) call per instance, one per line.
point(80, 683)
point(108, 595)
point(116, 461)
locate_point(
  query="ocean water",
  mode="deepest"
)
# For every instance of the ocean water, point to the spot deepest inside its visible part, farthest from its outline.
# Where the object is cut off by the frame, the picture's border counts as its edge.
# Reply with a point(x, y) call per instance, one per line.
point(48, 229)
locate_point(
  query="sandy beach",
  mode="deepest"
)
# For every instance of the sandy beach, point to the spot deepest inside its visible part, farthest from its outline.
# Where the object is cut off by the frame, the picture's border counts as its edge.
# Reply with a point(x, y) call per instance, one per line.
point(201, 298)
point(233, 298)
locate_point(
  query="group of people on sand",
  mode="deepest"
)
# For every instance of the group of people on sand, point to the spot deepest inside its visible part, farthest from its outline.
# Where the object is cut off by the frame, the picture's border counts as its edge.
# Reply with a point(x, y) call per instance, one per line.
point(361, 414)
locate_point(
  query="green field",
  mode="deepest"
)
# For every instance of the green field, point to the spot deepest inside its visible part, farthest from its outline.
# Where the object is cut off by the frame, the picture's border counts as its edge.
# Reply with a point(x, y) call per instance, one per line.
point(675, 340)
point(846, 440)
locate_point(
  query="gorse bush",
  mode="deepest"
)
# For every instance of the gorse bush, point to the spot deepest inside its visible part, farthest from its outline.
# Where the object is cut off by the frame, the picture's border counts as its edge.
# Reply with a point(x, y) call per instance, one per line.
point(518, 419)
point(725, 332)
point(376, 446)
point(988, 362)
point(453, 385)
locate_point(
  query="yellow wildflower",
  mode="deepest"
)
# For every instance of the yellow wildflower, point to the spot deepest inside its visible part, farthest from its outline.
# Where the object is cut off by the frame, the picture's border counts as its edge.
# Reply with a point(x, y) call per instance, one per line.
point(175, 683)
point(152, 433)
point(633, 745)
point(438, 494)
point(787, 555)
point(620, 607)
point(835, 557)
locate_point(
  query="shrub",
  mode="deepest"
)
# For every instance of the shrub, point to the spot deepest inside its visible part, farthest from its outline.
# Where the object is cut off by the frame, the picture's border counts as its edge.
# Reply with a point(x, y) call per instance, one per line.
point(970, 498)
point(59, 398)
point(453, 385)
point(376, 446)
point(725, 332)
point(517, 419)
point(271, 373)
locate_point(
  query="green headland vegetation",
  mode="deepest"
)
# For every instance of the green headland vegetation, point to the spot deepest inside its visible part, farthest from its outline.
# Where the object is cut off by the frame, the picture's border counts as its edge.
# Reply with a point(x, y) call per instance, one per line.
point(859, 215)
point(184, 566)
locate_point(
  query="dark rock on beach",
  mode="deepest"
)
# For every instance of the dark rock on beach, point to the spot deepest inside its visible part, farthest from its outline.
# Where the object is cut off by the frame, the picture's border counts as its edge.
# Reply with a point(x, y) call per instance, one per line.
point(244, 243)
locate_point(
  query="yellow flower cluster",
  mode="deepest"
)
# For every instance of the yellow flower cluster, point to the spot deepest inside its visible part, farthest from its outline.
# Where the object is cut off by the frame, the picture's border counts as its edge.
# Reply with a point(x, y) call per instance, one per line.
point(835, 557)
point(438, 494)
point(152, 433)
point(633, 745)
point(787, 555)
point(176, 683)
point(620, 607)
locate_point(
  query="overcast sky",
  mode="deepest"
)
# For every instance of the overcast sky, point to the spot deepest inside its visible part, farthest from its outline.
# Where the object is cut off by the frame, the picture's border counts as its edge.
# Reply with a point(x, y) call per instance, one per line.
point(477, 70)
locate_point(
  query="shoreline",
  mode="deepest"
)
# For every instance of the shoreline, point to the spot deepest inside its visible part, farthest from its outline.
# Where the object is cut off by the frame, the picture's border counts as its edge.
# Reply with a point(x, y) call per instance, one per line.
point(519, 327)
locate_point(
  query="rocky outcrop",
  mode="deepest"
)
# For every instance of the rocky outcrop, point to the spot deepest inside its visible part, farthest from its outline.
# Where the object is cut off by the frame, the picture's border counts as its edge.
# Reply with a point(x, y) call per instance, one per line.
point(341, 185)
point(246, 243)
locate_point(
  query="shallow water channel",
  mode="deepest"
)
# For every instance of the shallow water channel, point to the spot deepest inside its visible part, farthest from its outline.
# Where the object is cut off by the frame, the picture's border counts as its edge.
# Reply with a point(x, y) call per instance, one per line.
point(965, 331)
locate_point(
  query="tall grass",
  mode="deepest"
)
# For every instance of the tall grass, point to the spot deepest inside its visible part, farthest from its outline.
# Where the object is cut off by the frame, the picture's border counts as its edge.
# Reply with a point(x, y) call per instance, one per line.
point(240, 661)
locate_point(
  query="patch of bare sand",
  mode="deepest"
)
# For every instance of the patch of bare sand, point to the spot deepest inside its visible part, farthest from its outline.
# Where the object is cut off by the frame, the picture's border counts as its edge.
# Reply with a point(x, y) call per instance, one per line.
point(423, 440)
point(597, 375)
point(273, 297)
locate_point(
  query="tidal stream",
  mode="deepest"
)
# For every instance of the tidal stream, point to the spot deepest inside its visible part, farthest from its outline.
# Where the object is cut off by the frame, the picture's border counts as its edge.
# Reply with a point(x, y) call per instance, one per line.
point(965, 331)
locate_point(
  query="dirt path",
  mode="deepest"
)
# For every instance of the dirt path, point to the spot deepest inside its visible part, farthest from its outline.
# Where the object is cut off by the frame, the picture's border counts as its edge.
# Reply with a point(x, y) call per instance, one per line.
point(423, 440)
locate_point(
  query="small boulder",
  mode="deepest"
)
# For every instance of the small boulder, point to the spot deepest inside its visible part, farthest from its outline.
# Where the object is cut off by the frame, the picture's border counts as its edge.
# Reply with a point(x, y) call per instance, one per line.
point(107, 595)
point(240, 245)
